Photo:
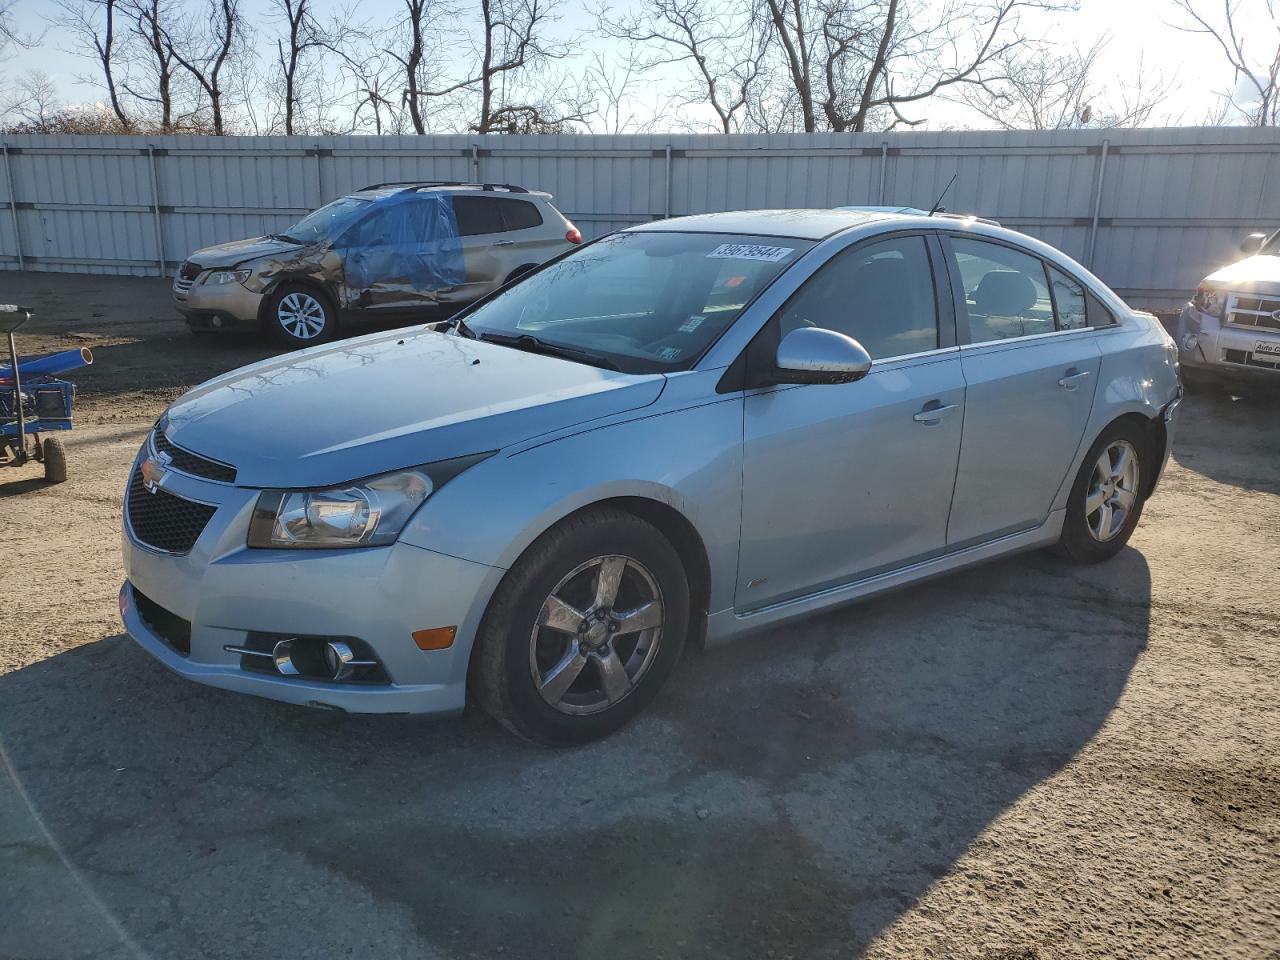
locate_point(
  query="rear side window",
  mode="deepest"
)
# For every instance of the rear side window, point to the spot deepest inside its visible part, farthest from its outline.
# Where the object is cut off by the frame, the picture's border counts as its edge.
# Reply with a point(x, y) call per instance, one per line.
point(1068, 301)
point(477, 215)
point(881, 294)
point(518, 214)
point(1005, 291)
point(1099, 316)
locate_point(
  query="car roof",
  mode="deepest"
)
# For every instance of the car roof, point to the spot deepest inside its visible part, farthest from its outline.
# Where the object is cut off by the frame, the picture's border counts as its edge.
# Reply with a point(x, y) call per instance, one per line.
point(801, 224)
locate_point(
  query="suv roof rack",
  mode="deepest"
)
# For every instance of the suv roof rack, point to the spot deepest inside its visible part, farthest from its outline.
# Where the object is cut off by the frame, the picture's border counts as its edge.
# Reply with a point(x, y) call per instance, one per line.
point(427, 184)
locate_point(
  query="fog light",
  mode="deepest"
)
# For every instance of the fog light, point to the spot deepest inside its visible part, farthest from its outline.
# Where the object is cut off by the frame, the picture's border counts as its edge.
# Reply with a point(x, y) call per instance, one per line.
point(339, 660)
point(216, 321)
point(282, 654)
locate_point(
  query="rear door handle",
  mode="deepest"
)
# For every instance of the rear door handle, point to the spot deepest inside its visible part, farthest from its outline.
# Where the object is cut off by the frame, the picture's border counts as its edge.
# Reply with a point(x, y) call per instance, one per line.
point(1072, 379)
point(934, 412)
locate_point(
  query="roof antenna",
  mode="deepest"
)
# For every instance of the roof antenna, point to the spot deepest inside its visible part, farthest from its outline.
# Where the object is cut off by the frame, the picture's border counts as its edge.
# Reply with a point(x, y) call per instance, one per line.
point(937, 207)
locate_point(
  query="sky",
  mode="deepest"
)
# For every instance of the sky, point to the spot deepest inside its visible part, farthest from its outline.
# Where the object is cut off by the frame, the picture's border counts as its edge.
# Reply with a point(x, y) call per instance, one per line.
point(1140, 37)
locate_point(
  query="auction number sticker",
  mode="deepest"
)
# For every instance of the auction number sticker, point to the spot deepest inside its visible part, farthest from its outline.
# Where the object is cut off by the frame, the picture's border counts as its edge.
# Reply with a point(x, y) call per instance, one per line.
point(749, 251)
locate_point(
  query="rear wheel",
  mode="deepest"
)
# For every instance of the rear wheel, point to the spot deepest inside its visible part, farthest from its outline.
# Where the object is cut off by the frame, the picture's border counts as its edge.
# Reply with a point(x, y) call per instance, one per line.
point(1108, 495)
point(584, 630)
point(54, 455)
point(300, 316)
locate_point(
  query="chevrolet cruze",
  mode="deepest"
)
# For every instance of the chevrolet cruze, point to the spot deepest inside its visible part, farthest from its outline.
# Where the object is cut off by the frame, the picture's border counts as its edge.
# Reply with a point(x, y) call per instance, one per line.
point(677, 434)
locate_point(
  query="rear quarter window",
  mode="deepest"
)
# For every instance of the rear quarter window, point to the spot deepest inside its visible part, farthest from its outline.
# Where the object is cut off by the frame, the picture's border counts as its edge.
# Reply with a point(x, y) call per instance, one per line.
point(518, 214)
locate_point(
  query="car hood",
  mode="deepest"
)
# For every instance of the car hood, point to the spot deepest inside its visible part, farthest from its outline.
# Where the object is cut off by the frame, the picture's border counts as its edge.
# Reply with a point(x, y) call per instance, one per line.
point(238, 251)
point(340, 412)
point(1260, 274)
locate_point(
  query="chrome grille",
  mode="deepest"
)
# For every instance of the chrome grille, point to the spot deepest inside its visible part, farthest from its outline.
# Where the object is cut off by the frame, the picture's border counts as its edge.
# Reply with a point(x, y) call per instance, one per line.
point(184, 461)
point(162, 520)
point(1247, 359)
point(1249, 310)
point(185, 276)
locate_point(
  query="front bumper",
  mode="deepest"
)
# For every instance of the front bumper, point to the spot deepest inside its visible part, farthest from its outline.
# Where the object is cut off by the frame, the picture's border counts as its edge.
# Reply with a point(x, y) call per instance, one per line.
point(1213, 350)
point(381, 595)
point(225, 306)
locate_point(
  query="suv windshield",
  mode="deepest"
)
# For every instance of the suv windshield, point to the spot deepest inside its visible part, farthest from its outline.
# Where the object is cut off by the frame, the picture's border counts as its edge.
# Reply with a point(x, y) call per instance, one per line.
point(327, 222)
point(641, 302)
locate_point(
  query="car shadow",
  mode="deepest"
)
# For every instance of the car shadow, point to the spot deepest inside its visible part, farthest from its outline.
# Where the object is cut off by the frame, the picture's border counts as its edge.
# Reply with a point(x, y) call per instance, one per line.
point(1230, 438)
point(790, 794)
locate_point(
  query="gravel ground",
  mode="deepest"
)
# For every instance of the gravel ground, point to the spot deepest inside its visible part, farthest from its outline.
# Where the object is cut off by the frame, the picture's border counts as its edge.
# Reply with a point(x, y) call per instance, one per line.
point(1026, 761)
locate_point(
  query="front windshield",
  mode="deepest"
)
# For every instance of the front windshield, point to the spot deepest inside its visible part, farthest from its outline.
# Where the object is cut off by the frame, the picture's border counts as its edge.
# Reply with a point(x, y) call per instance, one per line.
point(643, 302)
point(327, 222)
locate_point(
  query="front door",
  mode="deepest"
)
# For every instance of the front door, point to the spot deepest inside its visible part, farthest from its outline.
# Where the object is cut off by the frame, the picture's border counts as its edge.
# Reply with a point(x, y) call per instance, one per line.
point(402, 255)
point(1031, 370)
point(841, 482)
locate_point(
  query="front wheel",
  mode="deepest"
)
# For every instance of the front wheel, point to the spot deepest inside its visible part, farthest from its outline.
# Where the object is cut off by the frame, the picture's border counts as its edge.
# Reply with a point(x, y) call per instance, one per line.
point(1107, 496)
point(584, 629)
point(300, 317)
point(54, 455)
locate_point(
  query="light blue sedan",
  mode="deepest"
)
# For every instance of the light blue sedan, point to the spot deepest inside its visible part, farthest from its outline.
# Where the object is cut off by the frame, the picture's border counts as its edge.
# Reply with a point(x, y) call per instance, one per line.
point(677, 434)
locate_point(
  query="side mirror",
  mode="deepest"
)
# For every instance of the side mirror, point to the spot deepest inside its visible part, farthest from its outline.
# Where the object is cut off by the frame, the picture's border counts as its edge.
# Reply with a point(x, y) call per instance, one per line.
point(816, 355)
point(1252, 243)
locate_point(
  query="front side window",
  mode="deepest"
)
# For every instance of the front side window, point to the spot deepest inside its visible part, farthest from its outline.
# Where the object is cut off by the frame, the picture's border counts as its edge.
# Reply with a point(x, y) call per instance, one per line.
point(645, 302)
point(1005, 291)
point(881, 294)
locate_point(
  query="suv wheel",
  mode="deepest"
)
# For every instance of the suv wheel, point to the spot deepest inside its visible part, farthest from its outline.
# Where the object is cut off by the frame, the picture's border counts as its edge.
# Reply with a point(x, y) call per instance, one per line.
point(584, 629)
point(299, 316)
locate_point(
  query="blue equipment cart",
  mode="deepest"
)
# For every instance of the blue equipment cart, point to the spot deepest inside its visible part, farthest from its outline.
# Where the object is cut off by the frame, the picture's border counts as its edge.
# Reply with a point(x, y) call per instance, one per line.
point(34, 402)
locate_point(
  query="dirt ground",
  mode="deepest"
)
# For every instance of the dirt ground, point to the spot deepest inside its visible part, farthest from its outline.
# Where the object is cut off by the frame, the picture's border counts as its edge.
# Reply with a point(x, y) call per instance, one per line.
point(1027, 761)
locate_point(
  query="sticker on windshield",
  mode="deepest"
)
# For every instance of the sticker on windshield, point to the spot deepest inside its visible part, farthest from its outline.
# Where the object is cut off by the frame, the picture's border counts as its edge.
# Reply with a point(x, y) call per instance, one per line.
point(669, 353)
point(749, 251)
point(690, 325)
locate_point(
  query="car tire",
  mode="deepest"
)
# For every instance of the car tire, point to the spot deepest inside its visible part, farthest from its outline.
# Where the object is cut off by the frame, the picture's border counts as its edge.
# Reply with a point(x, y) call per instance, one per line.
point(300, 316)
point(1092, 531)
point(53, 454)
point(548, 655)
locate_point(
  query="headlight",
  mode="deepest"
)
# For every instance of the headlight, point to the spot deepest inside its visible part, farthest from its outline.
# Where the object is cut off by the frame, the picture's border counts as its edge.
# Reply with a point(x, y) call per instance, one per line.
point(1208, 300)
point(368, 513)
point(227, 276)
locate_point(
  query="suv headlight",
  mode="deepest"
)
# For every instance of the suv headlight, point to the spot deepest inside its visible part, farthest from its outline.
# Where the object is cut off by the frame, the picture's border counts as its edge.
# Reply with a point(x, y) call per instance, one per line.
point(367, 513)
point(227, 276)
point(1208, 300)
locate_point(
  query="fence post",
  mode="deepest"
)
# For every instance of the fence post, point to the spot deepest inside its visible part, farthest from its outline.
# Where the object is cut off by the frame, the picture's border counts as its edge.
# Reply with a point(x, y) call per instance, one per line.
point(1097, 202)
point(475, 162)
point(884, 163)
point(155, 208)
point(319, 176)
point(667, 207)
point(13, 208)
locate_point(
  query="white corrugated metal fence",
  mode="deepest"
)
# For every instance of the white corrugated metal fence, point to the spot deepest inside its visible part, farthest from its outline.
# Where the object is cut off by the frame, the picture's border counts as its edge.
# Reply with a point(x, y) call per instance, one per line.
point(1151, 211)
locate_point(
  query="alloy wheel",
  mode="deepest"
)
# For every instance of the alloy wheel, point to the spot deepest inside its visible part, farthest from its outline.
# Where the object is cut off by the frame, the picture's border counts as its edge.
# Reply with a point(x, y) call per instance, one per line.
point(596, 635)
point(301, 315)
point(1113, 490)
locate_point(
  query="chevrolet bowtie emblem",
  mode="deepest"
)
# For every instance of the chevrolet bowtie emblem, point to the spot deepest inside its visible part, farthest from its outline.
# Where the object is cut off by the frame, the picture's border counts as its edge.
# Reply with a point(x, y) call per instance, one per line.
point(153, 473)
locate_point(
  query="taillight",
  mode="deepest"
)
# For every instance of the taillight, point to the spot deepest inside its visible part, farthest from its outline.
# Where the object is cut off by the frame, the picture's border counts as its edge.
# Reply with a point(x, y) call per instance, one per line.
point(574, 235)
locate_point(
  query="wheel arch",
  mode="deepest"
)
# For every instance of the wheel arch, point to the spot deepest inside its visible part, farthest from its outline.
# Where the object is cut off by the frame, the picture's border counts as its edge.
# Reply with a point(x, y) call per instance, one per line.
point(1157, 438)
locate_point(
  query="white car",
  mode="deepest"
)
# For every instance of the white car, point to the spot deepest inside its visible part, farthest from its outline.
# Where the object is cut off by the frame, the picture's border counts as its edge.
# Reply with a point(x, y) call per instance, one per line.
point(1229, 332)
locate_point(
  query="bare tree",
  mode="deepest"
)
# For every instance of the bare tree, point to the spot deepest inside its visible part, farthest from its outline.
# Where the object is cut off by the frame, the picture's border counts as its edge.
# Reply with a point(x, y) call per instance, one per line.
point(304, 39)
point(724, 45)
point(208, 52)
point(34, 102)
point(149, 25)
point(1250, 46)
point(1043, 90)
point(854, 64)
point(411, 54)
point(93, 24)
point(10, 35)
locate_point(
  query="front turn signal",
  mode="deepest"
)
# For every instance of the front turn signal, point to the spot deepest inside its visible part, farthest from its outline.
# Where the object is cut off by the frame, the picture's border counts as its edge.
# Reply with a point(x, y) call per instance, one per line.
point(437, 638)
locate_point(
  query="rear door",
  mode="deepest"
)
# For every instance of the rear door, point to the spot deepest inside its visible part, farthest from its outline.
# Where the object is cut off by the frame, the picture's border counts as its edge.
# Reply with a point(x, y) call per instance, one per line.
point(485, 244)
point(1031, 367)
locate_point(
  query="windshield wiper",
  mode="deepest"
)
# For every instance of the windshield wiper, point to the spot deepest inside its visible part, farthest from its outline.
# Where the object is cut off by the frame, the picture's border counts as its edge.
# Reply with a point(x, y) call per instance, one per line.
point(531, 344)
point(285, 237)
point(457, 323)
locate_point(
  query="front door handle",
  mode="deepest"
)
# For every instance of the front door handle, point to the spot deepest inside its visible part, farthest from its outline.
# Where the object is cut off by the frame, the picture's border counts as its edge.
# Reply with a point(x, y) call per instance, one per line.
point(1072, 378)
point(934, 412)
point(504, 243)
